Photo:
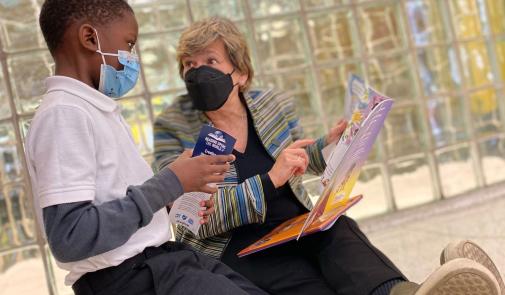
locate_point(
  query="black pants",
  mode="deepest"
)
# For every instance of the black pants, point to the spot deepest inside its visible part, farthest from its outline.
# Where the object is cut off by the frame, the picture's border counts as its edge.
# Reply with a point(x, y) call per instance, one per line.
point(340, 260)
point(172, 268)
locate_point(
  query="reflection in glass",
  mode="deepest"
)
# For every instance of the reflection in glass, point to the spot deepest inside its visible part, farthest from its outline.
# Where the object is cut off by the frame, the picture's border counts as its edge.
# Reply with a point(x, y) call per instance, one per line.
point(334, 86)
point(476, 67)
point(438, 69)
point(403, 133)
point(10, 169)
point(392, 76)
point(136, 115)
point(446, 119)
point(332, 35)
point(161, 101)
point(485, 112)
point(500, 57)
point(492, 152)
point(231, 9)
point(159, 61)
point(425, 22)
point(280, 44)
point(271, 7)
point(19, 29)
point(457, 173)
point(380, 28)
point(466, 17)
point(5, 110)
point(27, 76)
point(160, 15)
point(310, 4)
point(411, 180)
point(496, 11)
point(371, 185)
point(22, 272)
point(300, 85)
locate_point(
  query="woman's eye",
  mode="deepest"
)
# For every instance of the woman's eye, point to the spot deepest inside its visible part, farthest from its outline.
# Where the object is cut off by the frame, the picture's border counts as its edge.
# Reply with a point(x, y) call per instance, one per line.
point(212, 61)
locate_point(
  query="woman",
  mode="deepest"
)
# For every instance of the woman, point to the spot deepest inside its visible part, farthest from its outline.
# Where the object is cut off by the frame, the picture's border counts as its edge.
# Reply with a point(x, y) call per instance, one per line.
point(263, 187)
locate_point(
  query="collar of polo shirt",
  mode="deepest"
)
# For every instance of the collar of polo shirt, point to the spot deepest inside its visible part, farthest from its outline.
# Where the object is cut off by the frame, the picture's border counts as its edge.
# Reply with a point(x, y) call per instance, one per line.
point(82, 90)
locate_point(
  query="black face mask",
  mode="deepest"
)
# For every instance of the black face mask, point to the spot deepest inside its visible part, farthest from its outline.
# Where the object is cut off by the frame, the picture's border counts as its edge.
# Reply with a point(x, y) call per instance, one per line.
point(208, 88)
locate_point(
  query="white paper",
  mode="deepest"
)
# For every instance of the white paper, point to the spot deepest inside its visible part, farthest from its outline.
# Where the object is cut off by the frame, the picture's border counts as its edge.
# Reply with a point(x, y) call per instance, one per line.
point(185, 210)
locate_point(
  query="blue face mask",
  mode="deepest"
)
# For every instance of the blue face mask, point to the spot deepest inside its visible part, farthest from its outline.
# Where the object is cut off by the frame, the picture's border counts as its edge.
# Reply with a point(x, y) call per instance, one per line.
point(114, 83)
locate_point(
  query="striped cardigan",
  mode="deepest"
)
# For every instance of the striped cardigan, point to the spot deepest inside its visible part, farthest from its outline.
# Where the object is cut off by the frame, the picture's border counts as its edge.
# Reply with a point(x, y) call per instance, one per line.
point(236, 204)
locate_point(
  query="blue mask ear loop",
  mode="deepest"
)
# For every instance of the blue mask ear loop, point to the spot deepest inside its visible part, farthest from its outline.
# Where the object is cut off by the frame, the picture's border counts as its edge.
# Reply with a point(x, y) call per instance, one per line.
point(100, 49)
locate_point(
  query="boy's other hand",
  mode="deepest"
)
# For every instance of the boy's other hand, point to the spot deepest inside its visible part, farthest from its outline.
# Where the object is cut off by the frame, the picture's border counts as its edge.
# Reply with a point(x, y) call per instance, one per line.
point(196, 173)
point(207, 210)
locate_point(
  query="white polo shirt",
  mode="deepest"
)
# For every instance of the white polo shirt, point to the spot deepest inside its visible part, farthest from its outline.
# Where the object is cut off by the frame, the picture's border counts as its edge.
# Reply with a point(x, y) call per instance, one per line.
point(79, 148)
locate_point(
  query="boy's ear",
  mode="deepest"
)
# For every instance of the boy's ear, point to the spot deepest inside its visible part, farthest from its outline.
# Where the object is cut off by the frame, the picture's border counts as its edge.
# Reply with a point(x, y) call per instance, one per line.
point(88, 38)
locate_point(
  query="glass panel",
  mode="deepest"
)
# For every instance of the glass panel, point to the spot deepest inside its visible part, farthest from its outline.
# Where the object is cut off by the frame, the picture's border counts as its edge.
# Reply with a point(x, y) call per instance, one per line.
point(280, 43)
point(492, 152)
point(299, 84)
point(476, 66)
point(411, 180)
point(204, 8)
point(159, 61)
point(313, 186)
point(334, 86)
point(380, 27)
point(160, 15)
point(438, 69)
point(371, 185)
point(310, 4)
point(136, 115)
point(456, 171)
point(10, 161)
point(5, 110)
point(403, 133)
point(313, 130)
point(486, 116)
point(16, 218)
point(161, 101)
point(271, 7)
point(466, 19)
point(496, 11)
point(27, 74)
point(332, 36)
point(19, 26)
point(392, 75)
point(425, 20)
point(446, 118)
point(500, 53)
point(22, 272)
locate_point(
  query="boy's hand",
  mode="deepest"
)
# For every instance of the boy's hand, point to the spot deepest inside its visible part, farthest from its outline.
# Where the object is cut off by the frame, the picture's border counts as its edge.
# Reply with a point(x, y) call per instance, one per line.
point(292, 161)
point(196, 173)
point(208, 209)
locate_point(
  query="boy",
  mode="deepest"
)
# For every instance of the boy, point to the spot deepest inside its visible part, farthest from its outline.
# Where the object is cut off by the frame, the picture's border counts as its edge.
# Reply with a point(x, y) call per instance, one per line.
point(101, 208)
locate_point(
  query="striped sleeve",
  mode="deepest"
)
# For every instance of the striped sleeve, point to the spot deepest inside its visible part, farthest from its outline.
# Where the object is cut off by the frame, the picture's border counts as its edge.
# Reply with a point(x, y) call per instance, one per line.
point(314, 151)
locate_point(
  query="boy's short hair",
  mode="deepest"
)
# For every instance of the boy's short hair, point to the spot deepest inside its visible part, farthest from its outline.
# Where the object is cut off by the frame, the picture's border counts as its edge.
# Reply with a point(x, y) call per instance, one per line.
point(202, 33)
point(57, 15)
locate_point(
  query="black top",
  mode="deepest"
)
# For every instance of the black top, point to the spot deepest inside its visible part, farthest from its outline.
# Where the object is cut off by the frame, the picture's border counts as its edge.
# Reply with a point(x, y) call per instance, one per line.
point(281, 203)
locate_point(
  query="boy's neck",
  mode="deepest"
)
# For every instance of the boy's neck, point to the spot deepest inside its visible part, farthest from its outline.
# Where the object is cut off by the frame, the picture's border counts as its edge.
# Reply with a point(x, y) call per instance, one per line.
point(73, 69)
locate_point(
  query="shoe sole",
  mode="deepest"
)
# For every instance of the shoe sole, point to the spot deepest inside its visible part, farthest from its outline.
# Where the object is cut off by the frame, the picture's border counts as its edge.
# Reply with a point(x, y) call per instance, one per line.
point(470, 250)
point(460, 276)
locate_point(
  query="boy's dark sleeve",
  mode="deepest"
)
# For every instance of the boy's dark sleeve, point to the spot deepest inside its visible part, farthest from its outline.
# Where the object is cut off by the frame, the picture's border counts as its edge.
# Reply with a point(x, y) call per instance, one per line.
point(80, 230)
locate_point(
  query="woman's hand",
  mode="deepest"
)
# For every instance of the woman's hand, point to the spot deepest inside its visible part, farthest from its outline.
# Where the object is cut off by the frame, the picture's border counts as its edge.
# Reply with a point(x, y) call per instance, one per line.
point(336, 131)
point(292, 161)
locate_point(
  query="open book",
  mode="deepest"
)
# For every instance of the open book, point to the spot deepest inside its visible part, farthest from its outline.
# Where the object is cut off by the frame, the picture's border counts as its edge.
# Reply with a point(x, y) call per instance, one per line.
point(368, 112)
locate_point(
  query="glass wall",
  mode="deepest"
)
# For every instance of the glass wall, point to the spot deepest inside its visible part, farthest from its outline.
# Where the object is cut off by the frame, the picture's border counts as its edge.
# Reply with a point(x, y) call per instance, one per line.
point(443, 62)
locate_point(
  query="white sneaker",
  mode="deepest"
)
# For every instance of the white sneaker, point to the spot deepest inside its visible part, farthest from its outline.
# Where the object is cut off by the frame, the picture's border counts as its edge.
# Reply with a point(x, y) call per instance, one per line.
point(460, 276)
point(470, 250)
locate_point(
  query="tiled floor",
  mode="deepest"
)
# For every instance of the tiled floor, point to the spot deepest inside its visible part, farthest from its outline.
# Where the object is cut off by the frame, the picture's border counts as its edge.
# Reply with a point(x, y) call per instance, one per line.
point(412, 239)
